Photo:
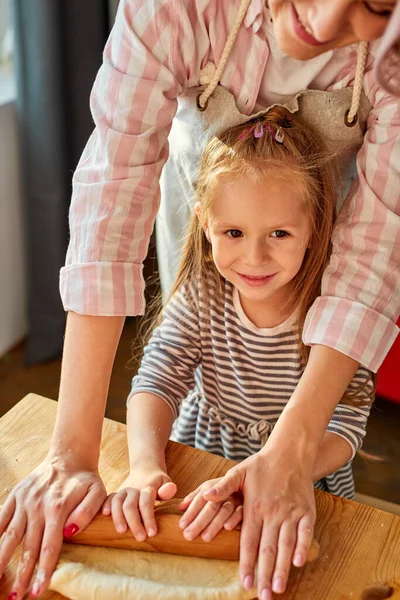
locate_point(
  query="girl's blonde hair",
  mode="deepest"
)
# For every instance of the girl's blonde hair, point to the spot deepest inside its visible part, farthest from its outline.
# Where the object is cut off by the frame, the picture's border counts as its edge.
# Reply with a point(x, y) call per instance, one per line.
point(300, 160)
point(286, 151)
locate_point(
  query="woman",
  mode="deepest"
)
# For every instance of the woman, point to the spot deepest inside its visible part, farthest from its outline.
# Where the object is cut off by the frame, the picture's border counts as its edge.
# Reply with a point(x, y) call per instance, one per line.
point(155, 54)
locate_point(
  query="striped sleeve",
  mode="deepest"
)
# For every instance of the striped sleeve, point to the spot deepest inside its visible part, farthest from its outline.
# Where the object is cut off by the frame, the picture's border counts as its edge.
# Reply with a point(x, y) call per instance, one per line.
point(360, 302)
point(350, 422)
point(115, 186)
point(173, 353)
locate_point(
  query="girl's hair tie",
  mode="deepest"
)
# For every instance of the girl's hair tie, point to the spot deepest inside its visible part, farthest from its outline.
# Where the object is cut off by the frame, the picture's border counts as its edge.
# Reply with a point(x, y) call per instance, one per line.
point(259, 130)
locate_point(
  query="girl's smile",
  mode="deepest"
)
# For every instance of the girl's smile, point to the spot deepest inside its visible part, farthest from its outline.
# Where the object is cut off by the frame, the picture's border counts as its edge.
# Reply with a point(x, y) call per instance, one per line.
point(256, 280)
point(259, 232)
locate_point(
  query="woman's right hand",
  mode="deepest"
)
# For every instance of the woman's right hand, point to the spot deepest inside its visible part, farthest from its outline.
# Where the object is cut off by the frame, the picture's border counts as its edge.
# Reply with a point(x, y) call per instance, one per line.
point(132, 506)
point(59, 498)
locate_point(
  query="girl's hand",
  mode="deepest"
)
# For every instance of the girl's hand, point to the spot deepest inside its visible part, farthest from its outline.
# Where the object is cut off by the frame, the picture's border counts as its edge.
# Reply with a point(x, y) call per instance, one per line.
point(132, 506)
point(59, 498)
point(207, 517)
point(278, 517)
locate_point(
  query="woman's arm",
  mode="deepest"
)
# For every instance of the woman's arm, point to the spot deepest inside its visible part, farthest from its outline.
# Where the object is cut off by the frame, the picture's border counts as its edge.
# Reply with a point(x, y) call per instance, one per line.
point(89, 351)
point(277, 482)
point(360, 301)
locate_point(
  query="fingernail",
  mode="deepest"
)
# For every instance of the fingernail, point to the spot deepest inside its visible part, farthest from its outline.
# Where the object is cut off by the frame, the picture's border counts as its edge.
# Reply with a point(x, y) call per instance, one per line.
point(188, 535)
point(35, 590)
point(13, 596)
point(121, 528)
point(298, 560)
point(248, 582)
point(182, 524)
point(151, 532)
point(206, 537)
point(140, 537)
point(265, 594)
point(278, 586)
point(70, 530)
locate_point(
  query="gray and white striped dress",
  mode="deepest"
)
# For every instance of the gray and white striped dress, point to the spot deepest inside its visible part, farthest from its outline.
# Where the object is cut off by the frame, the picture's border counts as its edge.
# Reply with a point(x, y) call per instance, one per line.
point(227, 381)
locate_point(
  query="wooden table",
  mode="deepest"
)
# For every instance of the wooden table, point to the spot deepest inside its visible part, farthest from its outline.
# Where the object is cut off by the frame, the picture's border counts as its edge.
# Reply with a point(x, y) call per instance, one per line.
point(359, 545)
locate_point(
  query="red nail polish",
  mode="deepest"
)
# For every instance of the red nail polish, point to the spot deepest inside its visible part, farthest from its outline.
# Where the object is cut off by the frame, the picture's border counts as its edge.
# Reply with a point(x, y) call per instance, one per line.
point(70, 530)
point(12, 596)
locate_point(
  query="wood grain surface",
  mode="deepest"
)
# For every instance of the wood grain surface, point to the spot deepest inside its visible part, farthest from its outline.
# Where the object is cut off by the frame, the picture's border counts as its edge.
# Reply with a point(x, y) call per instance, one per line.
point(359, 555)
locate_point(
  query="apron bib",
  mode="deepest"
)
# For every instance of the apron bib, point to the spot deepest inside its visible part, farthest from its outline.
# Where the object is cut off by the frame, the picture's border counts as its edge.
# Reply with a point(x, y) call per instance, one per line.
point(193, 126)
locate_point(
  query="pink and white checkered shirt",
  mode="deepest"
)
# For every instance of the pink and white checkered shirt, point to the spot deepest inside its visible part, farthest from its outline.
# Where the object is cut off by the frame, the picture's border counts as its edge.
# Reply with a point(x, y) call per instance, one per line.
point(155, 52)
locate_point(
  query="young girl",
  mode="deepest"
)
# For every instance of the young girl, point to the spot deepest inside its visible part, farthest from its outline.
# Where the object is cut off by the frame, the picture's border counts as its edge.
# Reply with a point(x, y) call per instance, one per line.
point(227, 355)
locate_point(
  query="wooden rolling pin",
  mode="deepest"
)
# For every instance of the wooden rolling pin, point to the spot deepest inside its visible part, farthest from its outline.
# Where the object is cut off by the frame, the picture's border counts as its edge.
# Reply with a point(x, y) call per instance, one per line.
point(169, 538)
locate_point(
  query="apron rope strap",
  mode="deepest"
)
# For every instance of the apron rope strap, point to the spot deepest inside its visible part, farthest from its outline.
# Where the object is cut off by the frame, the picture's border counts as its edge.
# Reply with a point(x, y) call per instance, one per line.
point(351, 115)
point(203, 98)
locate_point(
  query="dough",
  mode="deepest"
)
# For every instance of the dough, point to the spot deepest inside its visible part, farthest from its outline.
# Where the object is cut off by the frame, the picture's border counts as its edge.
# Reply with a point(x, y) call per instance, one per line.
point(94, 573)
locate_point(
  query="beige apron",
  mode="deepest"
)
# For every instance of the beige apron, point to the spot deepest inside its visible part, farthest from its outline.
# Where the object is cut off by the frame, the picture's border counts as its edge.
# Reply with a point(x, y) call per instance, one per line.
point(210, 109)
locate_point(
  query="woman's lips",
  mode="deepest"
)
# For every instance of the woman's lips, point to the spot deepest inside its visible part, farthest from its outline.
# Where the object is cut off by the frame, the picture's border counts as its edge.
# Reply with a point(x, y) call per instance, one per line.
point(256, 281)
point(301, 32)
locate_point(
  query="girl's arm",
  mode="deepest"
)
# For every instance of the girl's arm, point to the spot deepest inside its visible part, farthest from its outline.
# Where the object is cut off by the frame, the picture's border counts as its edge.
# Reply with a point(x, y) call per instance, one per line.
point(149, 423)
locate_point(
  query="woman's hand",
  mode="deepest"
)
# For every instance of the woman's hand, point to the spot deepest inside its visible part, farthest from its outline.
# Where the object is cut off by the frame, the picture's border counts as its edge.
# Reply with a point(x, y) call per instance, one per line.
point(207, 517)
point(278, 517)
point(59, 498)
point(132, 506)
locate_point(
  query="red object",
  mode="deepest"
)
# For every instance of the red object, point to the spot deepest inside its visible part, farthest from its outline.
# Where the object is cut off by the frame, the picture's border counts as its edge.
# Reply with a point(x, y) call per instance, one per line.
point(388, 383)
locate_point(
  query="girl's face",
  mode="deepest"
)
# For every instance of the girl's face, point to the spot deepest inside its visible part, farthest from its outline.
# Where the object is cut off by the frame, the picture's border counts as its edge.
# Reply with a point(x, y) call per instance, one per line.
point(259, 233)
point(306, 28)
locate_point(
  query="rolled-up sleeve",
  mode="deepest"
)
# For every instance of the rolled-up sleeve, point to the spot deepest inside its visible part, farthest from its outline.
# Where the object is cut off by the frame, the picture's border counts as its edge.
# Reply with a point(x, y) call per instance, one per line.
point(350, 422)
point(116, 184)
point(359, 305)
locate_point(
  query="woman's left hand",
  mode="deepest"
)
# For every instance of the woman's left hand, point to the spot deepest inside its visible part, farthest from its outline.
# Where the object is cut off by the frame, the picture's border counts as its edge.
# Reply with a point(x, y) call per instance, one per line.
point(278, 517)
point(207, 517)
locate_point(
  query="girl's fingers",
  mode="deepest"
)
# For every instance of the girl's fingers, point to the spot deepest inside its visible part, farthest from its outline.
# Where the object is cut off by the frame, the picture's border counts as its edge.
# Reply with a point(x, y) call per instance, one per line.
point(84, 512)
point(202, 519)
point(117, 512)
point(286, 544)
point(131, 512)
point(234, 520)
point(267, 554)
point(305, 532)
point(188, 499)
point(226, 486)
point(197, 504)
point(217, 523)
point(106, 508)
point(146, 508)
point(167, 491)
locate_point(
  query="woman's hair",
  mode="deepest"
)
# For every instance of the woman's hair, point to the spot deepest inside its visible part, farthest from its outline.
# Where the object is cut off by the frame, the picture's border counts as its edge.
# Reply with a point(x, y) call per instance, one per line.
point(387, 66)
point(286, 151)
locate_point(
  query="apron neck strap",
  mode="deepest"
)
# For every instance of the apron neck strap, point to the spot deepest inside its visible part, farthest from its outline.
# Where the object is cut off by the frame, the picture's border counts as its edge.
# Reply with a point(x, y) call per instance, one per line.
point(352, 114)
point(202, 100)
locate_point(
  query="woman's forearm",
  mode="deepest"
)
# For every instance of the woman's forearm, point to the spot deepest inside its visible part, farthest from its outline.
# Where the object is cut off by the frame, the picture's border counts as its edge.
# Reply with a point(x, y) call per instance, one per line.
point(149, 422)
point(89, 352)
point(301, 427)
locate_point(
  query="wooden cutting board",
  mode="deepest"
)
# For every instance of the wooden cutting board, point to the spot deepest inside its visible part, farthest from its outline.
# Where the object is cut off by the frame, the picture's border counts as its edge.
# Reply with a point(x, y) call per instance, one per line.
point(359, 545)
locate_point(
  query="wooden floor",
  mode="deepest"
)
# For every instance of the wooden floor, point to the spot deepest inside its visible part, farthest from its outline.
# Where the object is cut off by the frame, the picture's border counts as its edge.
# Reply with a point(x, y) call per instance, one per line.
point(380, 479)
